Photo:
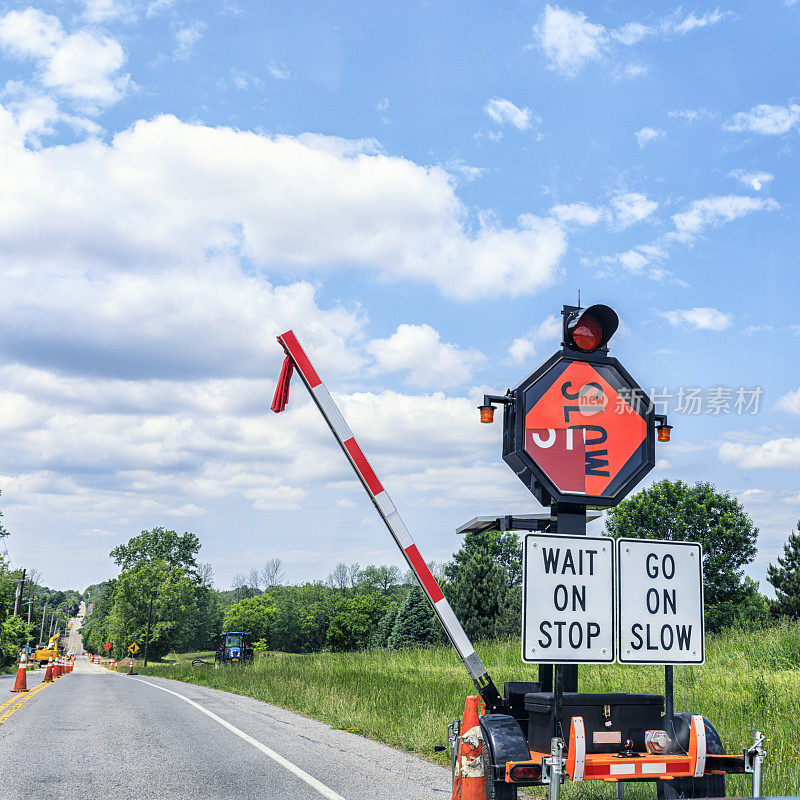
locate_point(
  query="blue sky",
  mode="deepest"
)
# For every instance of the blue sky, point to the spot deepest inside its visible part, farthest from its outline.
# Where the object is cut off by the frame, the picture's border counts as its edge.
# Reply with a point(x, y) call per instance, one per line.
point(415, 189)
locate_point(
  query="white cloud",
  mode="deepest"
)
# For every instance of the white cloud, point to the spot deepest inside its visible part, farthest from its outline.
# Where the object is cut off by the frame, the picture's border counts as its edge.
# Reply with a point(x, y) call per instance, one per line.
point(631, 208)
point(773, 454)
point(632, 33)
point(766, 119)
point(692, 22)
point(522, 348)
point(633, 261)
point(167, 191)
point(107, 10)
point(578, 214)
point(753, 179)
point(645, 135)
point(569, 40)
point(278, 71)
point(790, 403)
point(755, 496)
point(698, 319)
point(80, 66)
point(504, 112)
point(693, 115)
point(716, 210)
point(186, 38)
point(430, 363)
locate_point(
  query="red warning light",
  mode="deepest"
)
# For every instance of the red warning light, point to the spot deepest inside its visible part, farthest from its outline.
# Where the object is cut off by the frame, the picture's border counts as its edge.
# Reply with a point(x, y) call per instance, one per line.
point(588, 333)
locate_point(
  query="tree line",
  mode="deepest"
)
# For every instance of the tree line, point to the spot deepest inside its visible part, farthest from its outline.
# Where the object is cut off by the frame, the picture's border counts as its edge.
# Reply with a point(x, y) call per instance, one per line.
point(378, 605)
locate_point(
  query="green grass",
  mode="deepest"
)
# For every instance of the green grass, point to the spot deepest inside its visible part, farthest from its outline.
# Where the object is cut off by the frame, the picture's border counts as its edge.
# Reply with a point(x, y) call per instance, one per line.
point(750, 680)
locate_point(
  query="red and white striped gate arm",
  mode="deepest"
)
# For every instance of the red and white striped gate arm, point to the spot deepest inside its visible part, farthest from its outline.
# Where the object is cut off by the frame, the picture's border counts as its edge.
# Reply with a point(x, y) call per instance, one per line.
point(388, 512)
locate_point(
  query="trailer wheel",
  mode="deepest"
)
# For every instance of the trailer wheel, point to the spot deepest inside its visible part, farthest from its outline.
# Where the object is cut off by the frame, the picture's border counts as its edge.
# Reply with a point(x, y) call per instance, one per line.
point(495, 790)
point(708, 786)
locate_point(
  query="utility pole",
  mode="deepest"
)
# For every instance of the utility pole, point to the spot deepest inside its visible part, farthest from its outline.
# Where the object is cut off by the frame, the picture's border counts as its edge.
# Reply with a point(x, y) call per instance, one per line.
point(44, 614)
point(147, 637)
point(18, 595)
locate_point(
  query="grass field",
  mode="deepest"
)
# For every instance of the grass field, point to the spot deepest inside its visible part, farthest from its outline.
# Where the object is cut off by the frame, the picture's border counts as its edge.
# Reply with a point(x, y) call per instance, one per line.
point(405, 698)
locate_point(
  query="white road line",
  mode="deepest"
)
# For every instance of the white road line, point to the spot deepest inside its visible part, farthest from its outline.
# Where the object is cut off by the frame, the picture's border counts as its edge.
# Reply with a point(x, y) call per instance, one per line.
point(295, 770)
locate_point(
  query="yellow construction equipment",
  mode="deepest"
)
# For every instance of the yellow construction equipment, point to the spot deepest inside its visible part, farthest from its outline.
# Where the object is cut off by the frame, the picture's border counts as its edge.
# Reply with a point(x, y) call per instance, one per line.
point(43, 653)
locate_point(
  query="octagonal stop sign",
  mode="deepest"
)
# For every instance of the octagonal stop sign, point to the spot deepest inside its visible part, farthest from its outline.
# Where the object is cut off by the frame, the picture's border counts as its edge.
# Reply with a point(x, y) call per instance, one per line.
point(579, 430)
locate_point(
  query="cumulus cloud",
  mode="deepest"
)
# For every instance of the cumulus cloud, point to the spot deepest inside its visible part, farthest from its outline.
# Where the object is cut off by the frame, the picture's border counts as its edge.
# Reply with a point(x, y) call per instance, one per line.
point(698, 319)
point(781, 453)
point(631, 208)
point(569, 40)
point(753, 179)
point(167, 190)
point(578, 214)
point(766, 120)
point(711, 212)
point(790, 403)
point(645, 135)
point(430, 362)
point(81, 66)
point(546, 332)
point(504, 112)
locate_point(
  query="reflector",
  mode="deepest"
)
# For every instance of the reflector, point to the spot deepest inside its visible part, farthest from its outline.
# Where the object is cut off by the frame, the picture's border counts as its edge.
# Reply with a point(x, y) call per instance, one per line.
point(526, 772)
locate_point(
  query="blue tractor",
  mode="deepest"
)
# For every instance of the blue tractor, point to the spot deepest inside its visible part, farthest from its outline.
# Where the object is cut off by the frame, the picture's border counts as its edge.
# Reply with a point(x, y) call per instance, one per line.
point(234, 649)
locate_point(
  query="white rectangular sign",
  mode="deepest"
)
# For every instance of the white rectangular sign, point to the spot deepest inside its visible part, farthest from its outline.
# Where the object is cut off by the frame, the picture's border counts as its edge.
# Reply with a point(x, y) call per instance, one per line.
point(660, 609)
point(568, 599)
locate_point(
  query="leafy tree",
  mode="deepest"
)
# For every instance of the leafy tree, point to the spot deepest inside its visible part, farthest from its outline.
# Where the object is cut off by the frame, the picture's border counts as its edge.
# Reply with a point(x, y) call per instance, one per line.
point(380, 578)
point(504, 548)
point(675, 511)
point(478, 591)
point(785, 578)
point(14, 634)
point(415, 625)
point(353, 620)
point(253, 615)
point(158, 544)
point(175, 615)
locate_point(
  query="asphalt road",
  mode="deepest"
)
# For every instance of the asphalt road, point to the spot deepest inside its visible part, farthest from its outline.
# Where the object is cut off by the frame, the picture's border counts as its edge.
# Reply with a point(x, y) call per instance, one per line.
point(96, 733)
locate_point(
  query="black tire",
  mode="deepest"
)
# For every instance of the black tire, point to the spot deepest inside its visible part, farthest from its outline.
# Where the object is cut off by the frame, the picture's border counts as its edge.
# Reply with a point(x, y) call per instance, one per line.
point(495, 790)
point(680, 788)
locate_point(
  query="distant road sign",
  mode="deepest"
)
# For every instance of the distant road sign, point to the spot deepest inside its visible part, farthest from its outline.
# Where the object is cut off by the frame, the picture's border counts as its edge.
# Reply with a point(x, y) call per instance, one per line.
point(107, 646)
point(133, 648)
point(568, 599)
point(660, 602)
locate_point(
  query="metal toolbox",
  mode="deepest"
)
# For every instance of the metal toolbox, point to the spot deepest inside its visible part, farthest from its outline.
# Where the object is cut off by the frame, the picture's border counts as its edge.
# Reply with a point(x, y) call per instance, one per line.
point(609, 719)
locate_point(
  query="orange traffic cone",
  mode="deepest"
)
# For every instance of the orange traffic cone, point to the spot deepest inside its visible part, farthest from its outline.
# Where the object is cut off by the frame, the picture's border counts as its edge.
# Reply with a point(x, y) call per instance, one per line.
point(21, 683)
point(56, 668)
point(469, 781)
point(116, 664)
point(48, 674)
point(130, 668)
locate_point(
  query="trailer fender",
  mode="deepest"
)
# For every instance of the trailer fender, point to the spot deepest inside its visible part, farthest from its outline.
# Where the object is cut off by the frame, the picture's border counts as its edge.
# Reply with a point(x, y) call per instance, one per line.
point(505, 740)
point(680, 735)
